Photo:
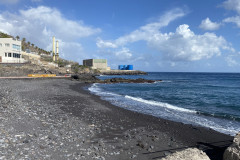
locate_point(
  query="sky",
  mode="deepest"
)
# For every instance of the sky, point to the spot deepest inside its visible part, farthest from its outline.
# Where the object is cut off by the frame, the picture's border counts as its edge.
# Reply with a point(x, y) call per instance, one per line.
point(151, 35)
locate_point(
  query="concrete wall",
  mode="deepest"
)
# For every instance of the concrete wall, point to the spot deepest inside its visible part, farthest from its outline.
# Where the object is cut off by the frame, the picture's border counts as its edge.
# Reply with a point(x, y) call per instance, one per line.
point(88, 62)
point(10, 50)
point(100, 64)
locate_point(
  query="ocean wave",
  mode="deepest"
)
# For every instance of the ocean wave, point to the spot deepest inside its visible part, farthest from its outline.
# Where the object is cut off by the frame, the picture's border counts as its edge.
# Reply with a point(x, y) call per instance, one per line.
point(221, 116)
point(166, 81)
point(161, 104)
point(95, 89)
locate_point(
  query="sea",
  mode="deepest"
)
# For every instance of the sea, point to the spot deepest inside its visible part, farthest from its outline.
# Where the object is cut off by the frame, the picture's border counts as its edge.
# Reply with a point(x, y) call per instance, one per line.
point(209, 100)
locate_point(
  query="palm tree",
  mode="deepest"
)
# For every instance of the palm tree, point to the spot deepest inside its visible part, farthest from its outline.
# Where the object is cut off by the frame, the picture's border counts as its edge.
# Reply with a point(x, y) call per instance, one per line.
point(17, 37)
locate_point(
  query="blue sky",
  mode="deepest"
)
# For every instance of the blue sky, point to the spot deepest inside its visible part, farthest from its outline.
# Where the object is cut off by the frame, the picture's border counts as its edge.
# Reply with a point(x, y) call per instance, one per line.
point(153, 35)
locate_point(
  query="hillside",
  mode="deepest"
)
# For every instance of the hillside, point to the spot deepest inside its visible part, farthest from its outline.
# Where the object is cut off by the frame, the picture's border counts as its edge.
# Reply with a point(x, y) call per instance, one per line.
point(27, 45)
point(40, 62)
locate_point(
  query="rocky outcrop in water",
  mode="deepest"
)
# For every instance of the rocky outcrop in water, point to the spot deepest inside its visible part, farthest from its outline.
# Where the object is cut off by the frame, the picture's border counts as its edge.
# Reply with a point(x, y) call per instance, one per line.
point(89, 78)
point(122, 80)
point(233, 151)
point(123, 72)
point(86, 78)
point(188, 154)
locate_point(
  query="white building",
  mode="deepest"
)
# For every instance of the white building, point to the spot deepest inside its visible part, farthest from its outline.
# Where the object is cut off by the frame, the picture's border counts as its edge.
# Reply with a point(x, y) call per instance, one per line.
point(10, 51)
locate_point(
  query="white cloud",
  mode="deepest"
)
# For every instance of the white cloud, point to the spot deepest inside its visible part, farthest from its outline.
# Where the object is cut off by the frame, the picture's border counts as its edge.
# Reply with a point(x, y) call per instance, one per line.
point(235, 6)
point(231, 61)
point(144, 32)
point(105, 44)
point(185, 45)
point(54, 20)
point(207, 24)
point(9, 1)
point(232, 5)
point(123, 54)
point(235, 20)
point(38, 25)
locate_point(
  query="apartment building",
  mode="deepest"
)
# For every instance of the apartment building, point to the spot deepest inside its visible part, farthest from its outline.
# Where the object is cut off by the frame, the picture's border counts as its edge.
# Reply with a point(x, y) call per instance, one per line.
point(10, 51)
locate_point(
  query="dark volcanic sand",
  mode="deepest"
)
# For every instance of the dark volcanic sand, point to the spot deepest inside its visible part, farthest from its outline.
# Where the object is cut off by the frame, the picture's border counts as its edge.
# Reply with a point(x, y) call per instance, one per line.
point(58, 119)
point(147, 137)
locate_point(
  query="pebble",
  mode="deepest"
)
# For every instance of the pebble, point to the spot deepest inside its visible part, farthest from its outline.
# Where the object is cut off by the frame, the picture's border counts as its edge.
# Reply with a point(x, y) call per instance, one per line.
point(37, 123)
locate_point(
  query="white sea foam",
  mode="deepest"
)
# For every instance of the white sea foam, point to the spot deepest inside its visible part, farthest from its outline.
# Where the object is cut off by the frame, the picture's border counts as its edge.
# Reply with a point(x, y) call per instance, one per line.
point(161, 104)
point(166, 81)
point(95, 89)
point(173, 112)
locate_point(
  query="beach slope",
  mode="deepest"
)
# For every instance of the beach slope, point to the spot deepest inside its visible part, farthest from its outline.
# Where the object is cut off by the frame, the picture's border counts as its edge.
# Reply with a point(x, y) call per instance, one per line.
point(59, 119)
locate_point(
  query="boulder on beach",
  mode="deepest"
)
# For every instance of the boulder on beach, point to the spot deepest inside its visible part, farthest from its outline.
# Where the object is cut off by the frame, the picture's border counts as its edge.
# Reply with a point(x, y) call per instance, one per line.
point(233, 151)
point(188, 154)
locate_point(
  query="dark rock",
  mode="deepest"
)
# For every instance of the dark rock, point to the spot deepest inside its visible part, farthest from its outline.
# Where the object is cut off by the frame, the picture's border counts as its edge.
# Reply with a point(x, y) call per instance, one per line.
point(121, 72)
point(26, 141)
point(140, 144)
point(85, 78)
point(122, 80)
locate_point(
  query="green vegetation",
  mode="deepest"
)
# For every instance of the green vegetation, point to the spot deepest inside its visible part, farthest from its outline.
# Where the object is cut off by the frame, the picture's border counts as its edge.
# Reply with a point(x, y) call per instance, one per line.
point(32, 47)
point(4, 35)
point(76, 68)
point(27, 45)
point(62, 62)
point(47, 58)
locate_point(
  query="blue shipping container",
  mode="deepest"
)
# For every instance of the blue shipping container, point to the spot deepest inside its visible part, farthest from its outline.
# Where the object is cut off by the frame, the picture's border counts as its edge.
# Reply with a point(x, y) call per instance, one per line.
point(130, 67)
point(125, 67)
point(120, 67)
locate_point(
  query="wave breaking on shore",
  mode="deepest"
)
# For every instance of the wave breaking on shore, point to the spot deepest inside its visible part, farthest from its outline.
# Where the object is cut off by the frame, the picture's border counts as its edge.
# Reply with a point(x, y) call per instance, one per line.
point(166, 111)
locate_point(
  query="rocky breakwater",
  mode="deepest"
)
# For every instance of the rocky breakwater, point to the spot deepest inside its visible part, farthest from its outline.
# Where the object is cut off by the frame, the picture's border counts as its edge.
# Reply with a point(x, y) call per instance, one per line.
point(188, 154)
point(89, 78)
point(233, 151)
point(123, 72)
point(123, 80)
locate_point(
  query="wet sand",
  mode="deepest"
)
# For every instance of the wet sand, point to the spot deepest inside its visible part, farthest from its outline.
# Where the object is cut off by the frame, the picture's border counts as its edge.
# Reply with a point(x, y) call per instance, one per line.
point(68, 122)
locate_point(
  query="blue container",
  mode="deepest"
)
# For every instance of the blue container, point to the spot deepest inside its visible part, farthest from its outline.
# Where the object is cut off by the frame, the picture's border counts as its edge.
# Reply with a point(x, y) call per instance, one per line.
point(125, 67)
point(120, 67)
point(130, 67)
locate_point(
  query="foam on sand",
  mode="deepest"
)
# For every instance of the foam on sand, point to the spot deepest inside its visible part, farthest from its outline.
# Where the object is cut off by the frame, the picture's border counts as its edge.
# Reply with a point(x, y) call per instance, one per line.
point(161, 104)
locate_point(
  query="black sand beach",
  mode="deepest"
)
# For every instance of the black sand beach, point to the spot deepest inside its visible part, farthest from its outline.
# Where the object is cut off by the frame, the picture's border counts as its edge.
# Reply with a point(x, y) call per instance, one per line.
point(58, 119)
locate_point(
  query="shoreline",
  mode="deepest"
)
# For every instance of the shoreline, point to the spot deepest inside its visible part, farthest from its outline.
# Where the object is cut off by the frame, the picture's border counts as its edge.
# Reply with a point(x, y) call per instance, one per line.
point(212, 142)
point(59, 119)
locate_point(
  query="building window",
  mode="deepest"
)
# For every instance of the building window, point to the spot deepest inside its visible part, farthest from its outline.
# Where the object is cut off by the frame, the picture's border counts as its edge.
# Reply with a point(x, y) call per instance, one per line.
point(15, 55)
point(5, 54)
point(17, 47)
point(0, 44)
point(9, 54)
point(7, 45)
